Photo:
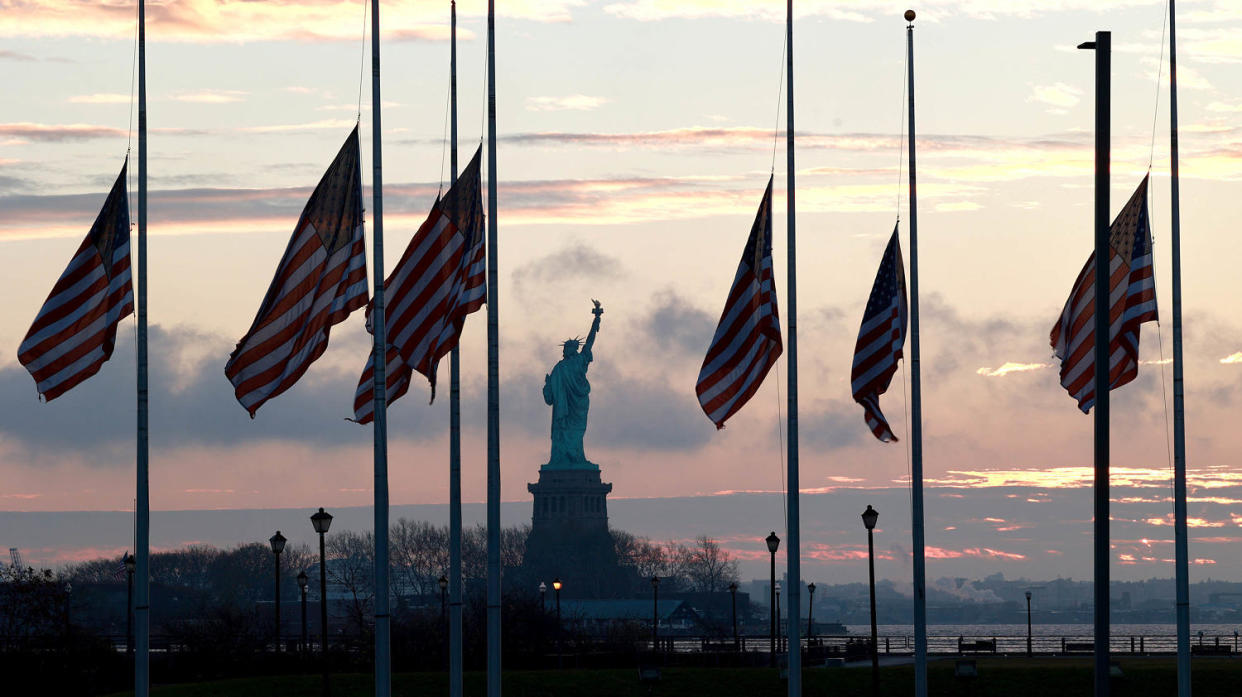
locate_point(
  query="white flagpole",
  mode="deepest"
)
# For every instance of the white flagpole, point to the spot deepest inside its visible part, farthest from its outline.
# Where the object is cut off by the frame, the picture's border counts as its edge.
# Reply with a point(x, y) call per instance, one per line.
point(454, 575)
point(793, 548)
point(383, 650)
point(493, 378)
point(1181, 547)
point(916, 404)
point(142, 545)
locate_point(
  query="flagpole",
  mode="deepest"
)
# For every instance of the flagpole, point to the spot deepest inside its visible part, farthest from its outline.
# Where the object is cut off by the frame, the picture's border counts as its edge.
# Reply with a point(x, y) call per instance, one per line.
point(916, 403)
point(792, 532)
point(1181, 547)
point(383, 651)
point(455, 642)
point(1103, 58)
point(493, 378)
point(142, 545)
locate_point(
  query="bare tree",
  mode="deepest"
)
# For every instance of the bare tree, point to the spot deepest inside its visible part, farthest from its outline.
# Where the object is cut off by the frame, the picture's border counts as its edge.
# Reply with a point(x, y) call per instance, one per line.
point(647, 559)
point(350, 566)
point(707, 567)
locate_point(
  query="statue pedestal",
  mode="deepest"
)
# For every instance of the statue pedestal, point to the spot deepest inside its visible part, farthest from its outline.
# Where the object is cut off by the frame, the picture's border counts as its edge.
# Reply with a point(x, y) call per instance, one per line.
point(569, 537)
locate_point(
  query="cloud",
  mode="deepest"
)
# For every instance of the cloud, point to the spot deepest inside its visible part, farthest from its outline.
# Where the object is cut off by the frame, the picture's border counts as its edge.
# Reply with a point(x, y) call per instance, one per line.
point(1232, 358)
point(330, 124)
point(218, 21)
point(1058, 95)
point(100, 98)
point(573, 102)
point(15, 56)
point(58, 133)
point(676, 324)
point(211, 96)
point(1010, 367)
point(577, 260)
point(854, 11)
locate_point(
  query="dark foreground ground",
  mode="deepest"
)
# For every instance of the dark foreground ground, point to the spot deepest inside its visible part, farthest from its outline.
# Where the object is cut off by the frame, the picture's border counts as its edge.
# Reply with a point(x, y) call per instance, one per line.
point(999, 677)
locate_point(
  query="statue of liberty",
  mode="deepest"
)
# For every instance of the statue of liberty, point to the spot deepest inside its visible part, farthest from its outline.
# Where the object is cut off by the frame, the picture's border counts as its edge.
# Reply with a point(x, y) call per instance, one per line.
point(567, 390)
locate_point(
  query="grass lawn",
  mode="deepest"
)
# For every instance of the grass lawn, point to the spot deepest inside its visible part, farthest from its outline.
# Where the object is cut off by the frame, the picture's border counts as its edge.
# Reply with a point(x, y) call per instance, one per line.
point(998, 677)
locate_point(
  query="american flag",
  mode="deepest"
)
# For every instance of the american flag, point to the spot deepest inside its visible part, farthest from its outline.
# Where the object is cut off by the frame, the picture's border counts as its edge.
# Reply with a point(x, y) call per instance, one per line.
point(748, 338)
point(880, 339)
point(441, 278)
point(75, 330)
point(1132, 302)
point(320, 280)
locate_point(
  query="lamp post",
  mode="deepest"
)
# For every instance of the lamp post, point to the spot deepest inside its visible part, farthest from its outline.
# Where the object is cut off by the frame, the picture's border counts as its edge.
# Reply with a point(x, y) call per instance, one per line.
point(129, 562)
point(556, 587)
point(303, 581)
point(443, 598)
point(322, 521)
point(655, 613)
point(1028, 624)
point(869, 517)
point(810, 610)
point(543, 596)
point(733, 594)
point(780, 638)
point(774, 543)
point(278, 546)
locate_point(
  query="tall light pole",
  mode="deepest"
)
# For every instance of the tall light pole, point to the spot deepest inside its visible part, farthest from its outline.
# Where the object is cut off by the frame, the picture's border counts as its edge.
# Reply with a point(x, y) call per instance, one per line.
point(774, 544)
point(129, 562)
point(810, 609)
point(322, 521)
point(556, 587)
point(869, 517)
point(303, 581)
point(443, 598)
point(655, 613)
point(278, 545)
point(779, 639)
point(1028, 624)
point(733, 594)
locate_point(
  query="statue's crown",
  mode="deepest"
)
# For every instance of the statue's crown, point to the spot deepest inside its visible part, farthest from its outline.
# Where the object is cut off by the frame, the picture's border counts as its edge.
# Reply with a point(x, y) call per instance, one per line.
point(571, 343)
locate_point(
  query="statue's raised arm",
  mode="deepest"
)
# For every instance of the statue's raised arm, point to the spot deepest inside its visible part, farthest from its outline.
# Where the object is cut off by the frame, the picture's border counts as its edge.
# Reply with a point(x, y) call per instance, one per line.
point(590, 340)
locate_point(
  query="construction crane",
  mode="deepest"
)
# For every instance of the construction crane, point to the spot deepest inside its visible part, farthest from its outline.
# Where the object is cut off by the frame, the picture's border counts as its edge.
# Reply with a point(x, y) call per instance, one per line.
point(16, 558)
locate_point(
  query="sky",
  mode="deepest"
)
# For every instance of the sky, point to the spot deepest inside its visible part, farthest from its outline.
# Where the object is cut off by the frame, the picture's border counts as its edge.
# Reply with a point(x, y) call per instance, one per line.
point(633, 136)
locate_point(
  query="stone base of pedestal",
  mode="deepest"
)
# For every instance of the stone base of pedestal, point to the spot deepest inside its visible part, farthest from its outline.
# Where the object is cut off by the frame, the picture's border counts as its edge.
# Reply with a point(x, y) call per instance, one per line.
point(569, 537)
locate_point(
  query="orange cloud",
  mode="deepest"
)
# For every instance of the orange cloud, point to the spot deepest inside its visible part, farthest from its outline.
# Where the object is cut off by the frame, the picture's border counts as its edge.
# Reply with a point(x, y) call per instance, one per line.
point(214, 21)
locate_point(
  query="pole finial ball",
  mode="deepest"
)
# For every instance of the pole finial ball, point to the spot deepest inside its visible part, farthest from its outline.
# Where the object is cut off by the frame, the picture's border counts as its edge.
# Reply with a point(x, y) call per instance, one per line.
point(909, 15)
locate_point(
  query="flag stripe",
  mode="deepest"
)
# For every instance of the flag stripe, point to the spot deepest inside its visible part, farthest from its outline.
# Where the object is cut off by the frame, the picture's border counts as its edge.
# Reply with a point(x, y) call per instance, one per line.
point(75, 330)
point(881, 337)
point(747, 341)
point(440, 279)
point(320, 280)
point(1132, 301)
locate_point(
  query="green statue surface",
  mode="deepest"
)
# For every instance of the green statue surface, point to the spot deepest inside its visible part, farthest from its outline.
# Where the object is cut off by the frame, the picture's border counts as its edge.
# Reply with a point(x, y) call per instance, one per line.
point(567, 390)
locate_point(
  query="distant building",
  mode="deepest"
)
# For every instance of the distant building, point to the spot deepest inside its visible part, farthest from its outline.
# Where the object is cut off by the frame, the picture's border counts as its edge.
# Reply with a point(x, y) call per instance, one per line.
point(597, 616)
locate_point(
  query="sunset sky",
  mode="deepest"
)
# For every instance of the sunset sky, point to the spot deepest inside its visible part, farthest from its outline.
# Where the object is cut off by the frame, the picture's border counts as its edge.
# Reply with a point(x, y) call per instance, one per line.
point(633, 136)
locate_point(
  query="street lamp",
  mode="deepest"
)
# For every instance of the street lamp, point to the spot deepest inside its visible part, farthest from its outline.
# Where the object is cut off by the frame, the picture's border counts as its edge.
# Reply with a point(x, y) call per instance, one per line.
point(278, 545)
point(869, 517)
point(733, 593)
point(780, 637)
point(443, 597)
point(810, 610)
point(1028, 624)
point(543, 596)
point(655, 613)
point(322, 521)
point(129, 562)
point(556, 586)
point(303, 581)
point(774, 543)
